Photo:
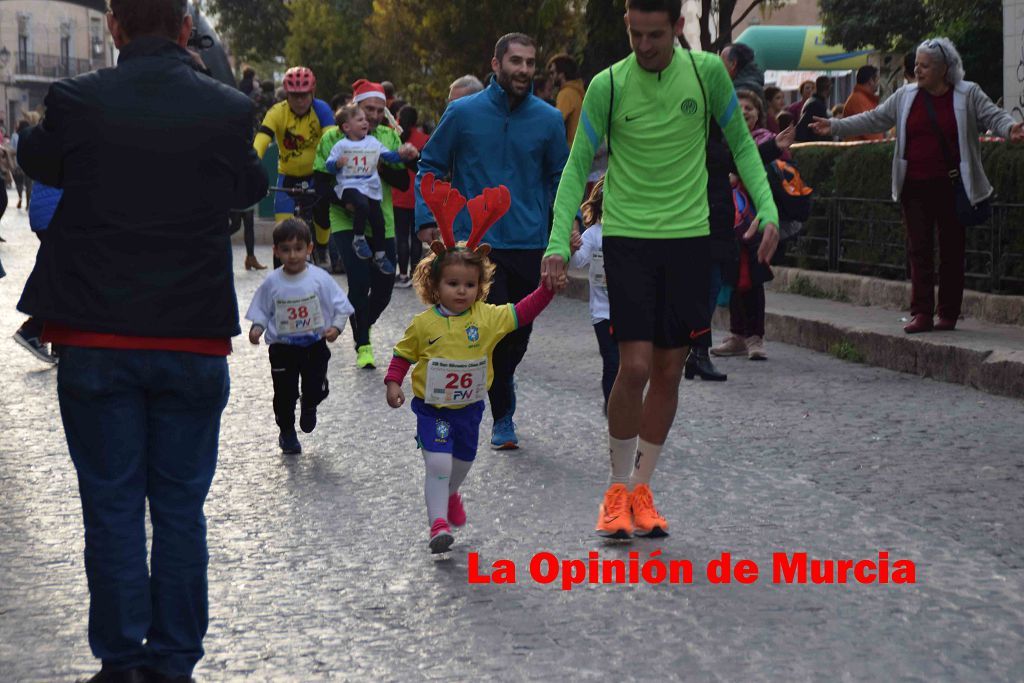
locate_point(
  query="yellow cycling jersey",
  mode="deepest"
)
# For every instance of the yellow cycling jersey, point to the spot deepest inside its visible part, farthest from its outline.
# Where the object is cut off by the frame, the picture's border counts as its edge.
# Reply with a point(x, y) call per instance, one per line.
point(297, 136)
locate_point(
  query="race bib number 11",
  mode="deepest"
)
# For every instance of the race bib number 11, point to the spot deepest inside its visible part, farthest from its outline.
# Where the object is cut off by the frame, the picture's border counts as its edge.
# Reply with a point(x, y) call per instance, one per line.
point(455, 382)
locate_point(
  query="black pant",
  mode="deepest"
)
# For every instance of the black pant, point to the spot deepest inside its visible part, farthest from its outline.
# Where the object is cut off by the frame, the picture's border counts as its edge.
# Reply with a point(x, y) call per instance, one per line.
point(287, 364)
point(516, 275)
point(365, 209)
point(246, 218)
point(410, 249)
point(609, 356)
point(746, 312)
point(369, 290)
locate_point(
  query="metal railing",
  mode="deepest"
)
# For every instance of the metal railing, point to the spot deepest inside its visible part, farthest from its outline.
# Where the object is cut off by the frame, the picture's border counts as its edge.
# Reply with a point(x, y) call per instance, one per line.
point(50, 66)
point(867, 237)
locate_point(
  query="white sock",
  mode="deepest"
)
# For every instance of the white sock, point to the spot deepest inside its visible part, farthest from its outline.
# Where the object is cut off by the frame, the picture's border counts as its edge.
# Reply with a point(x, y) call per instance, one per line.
point(622, 452)
point(646, 459)
point(460, 468)
point(435, 486)
point(378, 254)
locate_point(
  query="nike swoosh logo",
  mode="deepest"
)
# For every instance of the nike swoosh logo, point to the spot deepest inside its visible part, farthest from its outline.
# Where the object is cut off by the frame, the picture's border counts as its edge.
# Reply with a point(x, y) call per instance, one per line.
point(700, 333)
point(610, 519)
point(431, 341)
point(633, 118)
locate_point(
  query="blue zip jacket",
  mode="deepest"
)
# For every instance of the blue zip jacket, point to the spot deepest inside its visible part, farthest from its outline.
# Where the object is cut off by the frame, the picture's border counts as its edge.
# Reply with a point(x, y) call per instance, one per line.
point(44, 202)
point(480, 143)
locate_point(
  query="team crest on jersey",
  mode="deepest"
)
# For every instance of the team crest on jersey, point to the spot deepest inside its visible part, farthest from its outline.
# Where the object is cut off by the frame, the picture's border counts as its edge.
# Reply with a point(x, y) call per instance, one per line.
point(688, 106)
point(473, 333)
point(442, 429)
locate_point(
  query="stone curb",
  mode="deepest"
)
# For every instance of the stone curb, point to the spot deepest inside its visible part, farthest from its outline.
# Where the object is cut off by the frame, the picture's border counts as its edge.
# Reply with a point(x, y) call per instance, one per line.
point(938, 356)
point(895, 295)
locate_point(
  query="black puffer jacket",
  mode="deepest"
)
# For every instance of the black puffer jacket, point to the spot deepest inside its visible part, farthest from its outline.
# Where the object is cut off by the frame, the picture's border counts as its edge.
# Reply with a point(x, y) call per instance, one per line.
point(151, 155)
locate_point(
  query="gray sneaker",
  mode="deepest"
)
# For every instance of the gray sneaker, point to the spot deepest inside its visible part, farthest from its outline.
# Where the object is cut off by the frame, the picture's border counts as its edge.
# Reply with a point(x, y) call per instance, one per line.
point(755, 348)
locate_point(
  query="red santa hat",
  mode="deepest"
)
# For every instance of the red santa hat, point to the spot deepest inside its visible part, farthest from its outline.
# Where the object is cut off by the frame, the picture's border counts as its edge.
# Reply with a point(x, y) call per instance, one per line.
point(364, 90)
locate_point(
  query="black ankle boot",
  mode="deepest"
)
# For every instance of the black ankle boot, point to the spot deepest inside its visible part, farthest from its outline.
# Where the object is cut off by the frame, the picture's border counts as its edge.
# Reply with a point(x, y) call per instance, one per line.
point(698, 364)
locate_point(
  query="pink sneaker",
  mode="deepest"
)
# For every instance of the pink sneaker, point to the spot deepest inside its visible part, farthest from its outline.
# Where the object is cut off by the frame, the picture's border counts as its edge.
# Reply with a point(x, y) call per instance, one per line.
point(456, 513)
point(441, 538)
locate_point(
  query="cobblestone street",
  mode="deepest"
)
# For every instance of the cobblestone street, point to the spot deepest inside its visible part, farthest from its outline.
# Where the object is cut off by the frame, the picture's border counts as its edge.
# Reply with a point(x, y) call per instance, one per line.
point(319, 568)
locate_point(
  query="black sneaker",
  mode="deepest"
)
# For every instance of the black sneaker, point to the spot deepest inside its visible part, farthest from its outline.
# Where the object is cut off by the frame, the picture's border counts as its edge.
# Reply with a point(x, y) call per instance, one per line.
point(307, 419)
point(289, 443)
point(35, 346)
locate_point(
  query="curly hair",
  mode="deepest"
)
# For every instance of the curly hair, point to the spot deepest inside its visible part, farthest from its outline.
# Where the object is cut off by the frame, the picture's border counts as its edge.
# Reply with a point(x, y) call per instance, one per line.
point(427, 276)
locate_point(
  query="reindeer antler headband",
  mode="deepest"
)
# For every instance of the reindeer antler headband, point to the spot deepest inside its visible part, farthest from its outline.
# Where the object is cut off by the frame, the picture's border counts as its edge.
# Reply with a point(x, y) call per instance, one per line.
point(446, 202)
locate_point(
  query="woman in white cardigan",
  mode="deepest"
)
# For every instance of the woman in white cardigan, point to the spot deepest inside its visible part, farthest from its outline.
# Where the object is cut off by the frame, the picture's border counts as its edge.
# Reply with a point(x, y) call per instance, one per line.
point(920, 172)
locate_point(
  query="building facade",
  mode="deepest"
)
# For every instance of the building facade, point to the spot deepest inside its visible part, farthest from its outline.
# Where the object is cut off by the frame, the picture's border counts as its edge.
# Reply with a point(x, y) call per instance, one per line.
point(1013, 58)
point(42, 41)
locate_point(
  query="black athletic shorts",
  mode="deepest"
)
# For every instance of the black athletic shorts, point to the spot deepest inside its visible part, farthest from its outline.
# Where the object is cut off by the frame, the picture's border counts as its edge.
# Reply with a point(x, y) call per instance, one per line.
point(658, 290)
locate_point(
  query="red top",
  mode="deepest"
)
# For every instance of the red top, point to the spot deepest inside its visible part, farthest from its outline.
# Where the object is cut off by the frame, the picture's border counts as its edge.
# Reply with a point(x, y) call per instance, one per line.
point(925, 160)
point(62, 335)
point(407, 199)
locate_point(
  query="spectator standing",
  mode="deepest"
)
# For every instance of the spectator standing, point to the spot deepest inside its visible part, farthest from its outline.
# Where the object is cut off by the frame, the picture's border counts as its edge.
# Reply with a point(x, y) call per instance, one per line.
point(408, 244)
point(464, 85)
point(863, 98)
point(806, 90)
point(564, 75)
point(775, 102)
point(936, 119)
point(135, 285)
point(743, 70)
point(816, 106)
point(503, 135)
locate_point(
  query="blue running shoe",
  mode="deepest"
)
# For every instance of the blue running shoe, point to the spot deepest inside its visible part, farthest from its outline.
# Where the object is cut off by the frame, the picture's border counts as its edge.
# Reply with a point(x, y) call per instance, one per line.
point(361, 247)
point(384, 265)
point(503, 434)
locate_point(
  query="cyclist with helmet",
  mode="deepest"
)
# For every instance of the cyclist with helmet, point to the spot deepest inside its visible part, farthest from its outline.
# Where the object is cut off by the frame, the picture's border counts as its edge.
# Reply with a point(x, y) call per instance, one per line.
point(296, 124)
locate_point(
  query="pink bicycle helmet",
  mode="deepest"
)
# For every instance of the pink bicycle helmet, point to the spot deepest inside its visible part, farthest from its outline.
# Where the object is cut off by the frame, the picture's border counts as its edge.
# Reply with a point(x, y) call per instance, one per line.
point(299, 79)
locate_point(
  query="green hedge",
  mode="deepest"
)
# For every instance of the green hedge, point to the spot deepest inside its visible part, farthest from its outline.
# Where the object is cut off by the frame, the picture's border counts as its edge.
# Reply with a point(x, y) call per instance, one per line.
point(872, 236)
point(866, 170)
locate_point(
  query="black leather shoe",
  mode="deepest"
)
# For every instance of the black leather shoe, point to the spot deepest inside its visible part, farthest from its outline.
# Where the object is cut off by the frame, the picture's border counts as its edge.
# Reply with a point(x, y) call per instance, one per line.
point(108, 675)
point(698, 364)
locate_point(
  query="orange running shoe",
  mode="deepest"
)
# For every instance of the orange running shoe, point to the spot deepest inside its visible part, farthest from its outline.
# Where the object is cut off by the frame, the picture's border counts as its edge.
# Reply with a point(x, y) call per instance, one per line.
point(613, 516)
point(645, 516)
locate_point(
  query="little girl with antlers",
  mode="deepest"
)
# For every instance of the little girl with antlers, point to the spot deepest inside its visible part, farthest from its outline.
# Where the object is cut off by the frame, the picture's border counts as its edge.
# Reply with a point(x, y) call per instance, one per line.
point(451, 344)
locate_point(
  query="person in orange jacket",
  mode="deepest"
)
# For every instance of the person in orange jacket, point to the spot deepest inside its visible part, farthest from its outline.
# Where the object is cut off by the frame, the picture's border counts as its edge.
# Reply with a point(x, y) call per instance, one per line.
point(864, 98)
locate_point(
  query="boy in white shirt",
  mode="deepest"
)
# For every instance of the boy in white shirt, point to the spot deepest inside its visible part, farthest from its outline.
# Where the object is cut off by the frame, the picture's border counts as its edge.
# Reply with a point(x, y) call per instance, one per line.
point(354, 162)
point(300, 309)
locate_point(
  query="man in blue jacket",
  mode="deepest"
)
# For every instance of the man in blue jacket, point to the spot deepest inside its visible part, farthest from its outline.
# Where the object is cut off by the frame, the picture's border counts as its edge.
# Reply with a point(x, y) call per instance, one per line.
point(134, 282)
point(502, 136)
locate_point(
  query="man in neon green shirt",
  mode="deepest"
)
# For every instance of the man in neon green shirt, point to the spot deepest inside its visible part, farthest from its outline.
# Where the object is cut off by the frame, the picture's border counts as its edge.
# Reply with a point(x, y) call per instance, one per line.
point(654, 108)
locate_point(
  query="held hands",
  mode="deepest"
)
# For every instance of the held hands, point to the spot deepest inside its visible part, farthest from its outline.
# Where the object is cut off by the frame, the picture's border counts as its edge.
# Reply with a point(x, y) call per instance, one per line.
point(428, 233)
point(785, 138)
point(408, 152)
point(255, 332)
point(331, 334)
point(820, 126)
point(769, 240)
point(395, 395)
point(553, 273)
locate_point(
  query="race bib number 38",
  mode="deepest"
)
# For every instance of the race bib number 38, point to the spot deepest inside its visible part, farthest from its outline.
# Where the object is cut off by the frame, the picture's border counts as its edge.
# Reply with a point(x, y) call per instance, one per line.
point(298, 316)
point(456, 382)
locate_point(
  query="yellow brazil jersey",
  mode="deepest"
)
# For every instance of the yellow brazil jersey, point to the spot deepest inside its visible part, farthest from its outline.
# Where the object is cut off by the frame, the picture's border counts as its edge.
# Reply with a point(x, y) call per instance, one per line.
point(297, 136)
point(468, 339)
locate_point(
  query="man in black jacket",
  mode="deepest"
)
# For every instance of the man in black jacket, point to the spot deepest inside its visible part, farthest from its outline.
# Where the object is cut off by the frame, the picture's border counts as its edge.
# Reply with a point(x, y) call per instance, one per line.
point(817, 105)
point(135, 284)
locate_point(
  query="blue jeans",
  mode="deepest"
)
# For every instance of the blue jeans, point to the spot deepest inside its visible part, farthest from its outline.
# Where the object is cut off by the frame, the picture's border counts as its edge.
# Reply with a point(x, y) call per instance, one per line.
point(144, 425)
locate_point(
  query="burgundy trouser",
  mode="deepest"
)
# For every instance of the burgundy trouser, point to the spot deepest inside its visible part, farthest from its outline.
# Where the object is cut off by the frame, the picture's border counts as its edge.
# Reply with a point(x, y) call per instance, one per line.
point(928, 204)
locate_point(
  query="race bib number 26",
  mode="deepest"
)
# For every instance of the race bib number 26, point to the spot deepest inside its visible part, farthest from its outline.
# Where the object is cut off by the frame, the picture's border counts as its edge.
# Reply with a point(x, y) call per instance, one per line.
point(456, 382)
